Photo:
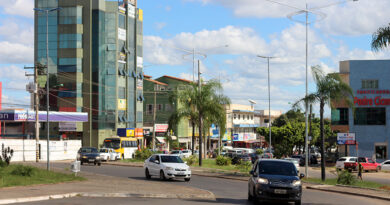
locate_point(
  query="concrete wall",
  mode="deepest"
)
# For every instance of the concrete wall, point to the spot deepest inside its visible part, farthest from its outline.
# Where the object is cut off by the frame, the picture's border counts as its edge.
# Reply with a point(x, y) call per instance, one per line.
point(24, 150)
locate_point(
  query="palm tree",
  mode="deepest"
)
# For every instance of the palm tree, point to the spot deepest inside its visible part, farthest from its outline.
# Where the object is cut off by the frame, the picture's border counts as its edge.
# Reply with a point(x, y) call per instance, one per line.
point(200, 104)
point(381, 38)
point(329, 87)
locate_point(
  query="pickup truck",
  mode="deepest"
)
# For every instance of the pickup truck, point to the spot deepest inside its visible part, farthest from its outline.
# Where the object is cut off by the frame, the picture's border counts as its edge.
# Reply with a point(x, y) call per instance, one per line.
point(368, 165)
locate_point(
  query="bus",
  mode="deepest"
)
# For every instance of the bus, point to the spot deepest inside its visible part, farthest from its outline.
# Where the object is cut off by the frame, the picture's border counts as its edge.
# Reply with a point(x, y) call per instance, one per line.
point(125, 146)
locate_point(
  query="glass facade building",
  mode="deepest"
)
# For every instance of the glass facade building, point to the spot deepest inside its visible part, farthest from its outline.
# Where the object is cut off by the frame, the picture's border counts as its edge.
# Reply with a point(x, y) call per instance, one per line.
point(95, 64)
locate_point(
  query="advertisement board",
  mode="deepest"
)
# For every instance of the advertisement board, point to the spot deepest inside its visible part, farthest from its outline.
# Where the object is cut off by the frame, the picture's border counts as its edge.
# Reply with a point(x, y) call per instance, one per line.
point(161, 127)
point(67, 126)
point(131, 11)
point(130, 132)
point(122, 104)
point(346, 138)
point(121, 34)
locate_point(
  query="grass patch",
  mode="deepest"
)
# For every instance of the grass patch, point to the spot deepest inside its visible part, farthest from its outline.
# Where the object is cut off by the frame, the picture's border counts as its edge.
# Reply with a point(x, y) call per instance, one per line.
point(362, 184)
point(132, 160)
point(211, 164)
point(20, 175)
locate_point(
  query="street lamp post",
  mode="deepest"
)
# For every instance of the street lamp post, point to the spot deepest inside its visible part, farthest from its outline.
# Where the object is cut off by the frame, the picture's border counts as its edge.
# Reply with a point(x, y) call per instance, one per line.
point(47, 11)
point(307, 23)
point(269, 103)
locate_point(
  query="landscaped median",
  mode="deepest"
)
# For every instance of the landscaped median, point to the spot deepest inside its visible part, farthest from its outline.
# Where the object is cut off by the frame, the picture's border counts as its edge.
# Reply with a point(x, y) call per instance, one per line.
point(358, 183)
point(22, 175)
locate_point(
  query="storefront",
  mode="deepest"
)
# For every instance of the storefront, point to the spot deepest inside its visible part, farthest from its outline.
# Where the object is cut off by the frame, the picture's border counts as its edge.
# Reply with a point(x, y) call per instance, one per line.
point(369, 80)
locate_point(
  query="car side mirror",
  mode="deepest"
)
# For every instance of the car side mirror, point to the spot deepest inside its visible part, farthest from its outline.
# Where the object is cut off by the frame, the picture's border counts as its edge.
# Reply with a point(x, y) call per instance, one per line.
point(157, 162)
point(301, 175)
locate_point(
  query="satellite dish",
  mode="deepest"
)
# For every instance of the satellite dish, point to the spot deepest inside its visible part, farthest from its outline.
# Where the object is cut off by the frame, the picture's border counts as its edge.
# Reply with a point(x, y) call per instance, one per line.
point(252, 101)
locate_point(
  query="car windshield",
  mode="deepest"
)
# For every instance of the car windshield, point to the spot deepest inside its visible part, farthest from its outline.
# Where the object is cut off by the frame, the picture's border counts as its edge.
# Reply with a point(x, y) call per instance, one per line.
point(171, 159)
point(175, 152)
point(294, 160)
point(89, 150)
point(341, 159)
point(185, 151)
point(112, 143)
point(103, 150)
point(277, 168)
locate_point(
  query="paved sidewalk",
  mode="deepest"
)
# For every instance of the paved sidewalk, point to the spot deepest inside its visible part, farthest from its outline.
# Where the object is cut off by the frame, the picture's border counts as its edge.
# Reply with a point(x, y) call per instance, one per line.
point(101, 186)
point(372, 193)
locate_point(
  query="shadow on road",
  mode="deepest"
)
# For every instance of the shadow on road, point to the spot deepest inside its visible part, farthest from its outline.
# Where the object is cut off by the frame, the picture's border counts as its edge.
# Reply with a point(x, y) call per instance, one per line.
point(158, 180)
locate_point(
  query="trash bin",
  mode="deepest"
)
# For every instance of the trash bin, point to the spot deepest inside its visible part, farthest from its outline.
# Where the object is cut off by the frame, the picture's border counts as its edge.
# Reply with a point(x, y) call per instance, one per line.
point(75, 167)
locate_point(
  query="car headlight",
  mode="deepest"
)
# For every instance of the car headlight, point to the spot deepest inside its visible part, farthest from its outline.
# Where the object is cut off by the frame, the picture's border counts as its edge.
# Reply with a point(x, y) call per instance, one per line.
point(97, 157)
point(84, 157)
point(262, 181)
point(169, 168)
point(296, 183)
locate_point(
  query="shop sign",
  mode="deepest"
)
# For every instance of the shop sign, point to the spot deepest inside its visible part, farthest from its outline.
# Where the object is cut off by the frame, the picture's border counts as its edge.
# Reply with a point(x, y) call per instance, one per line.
point(131, 2)
point(377, 101)
point(161, 127)
point(122, 6)
point(130, 132)
point(121, 34)
point(122, 104)
point(139, 84)
point(373, 91)
point(140, 62)
point(131, 11)
point(139, 132)
point(67, 126)
point(146, 132)
point(346, 138)
point(238, 137)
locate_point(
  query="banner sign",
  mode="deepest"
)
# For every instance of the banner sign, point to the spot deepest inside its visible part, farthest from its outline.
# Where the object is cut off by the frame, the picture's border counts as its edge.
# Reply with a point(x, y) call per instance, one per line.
point(121, 34)
point(346, 138)
point(67, 126)
point(161, 127)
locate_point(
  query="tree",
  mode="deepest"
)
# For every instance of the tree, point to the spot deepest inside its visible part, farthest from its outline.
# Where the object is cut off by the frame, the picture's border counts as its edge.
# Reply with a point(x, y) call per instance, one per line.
point(201, 104)
point(381, 38)
point(329, 87)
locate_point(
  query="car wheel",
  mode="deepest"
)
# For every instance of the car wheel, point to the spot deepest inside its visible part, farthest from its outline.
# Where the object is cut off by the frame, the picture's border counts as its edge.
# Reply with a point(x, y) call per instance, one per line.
point(94, 163)
point(81, 163)
point(147, 175)
point(108, 159)
point(378, 169)
point(250, 197)
point(162, 176)
point(99, 163)
point(298, 202)
point(187, 179)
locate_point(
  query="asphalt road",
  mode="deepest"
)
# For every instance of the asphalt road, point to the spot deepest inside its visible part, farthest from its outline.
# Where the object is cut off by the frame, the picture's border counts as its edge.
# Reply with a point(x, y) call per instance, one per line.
point(227, 191)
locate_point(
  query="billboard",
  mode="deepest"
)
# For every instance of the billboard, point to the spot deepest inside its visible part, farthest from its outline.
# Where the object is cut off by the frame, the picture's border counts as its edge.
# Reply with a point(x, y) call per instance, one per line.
point(346, 138)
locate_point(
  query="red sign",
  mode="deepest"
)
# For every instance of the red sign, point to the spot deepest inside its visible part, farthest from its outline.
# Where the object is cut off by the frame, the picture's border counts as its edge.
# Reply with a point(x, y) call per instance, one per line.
point(377, 101)
point(161, 127)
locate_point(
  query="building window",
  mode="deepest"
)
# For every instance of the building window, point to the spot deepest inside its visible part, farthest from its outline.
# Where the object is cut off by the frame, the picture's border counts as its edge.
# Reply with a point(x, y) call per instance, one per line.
point(71, 15)
point(121, 92)
point(370, 116)
point(266, 120)
point(121, 21)
point(149, 109)
point(339, 116)
point(234, 116)
point(71, 40)
point(369, 84)
point(159, 107)
point(239, 116)
point(381, 151)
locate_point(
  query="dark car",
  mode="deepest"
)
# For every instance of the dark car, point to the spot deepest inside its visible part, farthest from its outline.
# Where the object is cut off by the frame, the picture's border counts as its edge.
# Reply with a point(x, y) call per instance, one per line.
point(89, 155)
point(238, 158)
point(301, 159)
point(254, 157)
point(275, 180)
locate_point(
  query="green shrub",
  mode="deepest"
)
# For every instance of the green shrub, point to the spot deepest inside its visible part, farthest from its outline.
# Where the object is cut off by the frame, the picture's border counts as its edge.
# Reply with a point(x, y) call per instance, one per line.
point(223, 161)
point(193, 159)
point(143, 154)
point(21, 170)
point(259, 151)
point(346, 178)
point(2, 163)
point(244, 166)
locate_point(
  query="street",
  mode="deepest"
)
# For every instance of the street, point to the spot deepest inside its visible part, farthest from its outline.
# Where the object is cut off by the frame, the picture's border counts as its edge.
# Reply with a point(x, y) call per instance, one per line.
point(226, 191)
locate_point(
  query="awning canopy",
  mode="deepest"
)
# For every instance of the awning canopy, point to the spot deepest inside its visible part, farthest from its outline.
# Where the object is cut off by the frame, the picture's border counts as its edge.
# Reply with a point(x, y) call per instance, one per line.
point(161, 139)
point(173, 137)
point(184, 140)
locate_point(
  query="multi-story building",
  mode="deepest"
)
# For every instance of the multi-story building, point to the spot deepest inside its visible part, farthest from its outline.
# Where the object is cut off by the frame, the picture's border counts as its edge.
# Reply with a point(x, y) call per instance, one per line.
point(161, 89)
point(95, 64)
point(241, 126)
point(262, 117)
point(369, 80)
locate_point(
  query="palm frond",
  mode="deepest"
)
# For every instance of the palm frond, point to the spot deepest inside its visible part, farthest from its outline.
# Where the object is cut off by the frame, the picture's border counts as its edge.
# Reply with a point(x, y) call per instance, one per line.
point(381, 38)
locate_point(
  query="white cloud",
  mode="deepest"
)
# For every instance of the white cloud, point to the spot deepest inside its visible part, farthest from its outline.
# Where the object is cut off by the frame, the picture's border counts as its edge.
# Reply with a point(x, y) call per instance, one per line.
point(350, 18)
point(16, 53)
point(160, 25)
point(21, 32)
point(12, 72)
point(18, 7)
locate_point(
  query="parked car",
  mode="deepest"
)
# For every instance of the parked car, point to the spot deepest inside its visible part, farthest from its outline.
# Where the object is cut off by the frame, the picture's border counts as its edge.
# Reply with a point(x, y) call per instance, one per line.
point(107, 154)
point(236, 159)
point(385, 165)
point(340, 162)
point(295, 161)
point(89, 155)
point(301, 159)
point(368, 165)
point(275, 180)
point(186, 153)
point(254, 157)
point(166, 166)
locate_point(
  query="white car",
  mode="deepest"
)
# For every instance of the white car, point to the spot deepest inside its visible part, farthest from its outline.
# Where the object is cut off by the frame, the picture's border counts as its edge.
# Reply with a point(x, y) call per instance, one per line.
point(182, 153)
point(108, 154)
point(167, 166)
point(340, 162)
point(385, 166)
point(295, 161)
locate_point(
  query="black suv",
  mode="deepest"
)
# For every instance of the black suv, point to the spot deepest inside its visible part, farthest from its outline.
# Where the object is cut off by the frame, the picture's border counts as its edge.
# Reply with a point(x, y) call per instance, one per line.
point(274, 180)
point(89, 155)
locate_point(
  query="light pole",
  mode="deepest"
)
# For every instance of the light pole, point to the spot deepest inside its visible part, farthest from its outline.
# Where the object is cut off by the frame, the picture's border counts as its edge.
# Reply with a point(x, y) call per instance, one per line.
point(47, 11)
point(307, 23)
point(269, 103)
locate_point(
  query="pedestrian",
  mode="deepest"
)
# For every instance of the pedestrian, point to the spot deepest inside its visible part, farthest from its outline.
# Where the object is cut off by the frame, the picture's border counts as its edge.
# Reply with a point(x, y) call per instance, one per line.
point(360, 170)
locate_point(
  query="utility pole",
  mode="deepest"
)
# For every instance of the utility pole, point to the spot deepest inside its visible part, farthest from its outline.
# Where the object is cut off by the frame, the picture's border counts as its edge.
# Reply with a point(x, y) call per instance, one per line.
point(36, 106)
point(154, 121)
point(200, 120)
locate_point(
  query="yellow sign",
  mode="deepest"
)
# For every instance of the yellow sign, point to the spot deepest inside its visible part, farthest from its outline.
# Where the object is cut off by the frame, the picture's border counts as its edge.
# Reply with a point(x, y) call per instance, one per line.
point(122, 104)
point(140, 15)
point(130, 133)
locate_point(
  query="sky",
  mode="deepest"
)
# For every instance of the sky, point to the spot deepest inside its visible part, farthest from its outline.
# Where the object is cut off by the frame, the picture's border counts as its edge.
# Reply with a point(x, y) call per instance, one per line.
point(227, 35)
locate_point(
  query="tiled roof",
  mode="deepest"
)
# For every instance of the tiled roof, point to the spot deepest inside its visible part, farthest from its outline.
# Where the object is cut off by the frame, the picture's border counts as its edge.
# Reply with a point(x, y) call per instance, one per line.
point(155, 81)
point(184, 80)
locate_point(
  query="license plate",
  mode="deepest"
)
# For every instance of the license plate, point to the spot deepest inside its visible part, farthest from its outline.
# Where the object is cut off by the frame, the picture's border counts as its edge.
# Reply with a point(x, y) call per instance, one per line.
point(180, 173)
point(91, 160)
point(280, 191)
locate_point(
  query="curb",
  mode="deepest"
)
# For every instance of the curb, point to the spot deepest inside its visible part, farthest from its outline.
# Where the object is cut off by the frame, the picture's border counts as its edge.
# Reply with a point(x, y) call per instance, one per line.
point(349, 193)
point(206, 197)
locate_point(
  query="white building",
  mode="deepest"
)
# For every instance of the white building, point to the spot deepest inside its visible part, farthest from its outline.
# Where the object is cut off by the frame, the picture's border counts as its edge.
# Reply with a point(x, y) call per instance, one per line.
point(262, 117)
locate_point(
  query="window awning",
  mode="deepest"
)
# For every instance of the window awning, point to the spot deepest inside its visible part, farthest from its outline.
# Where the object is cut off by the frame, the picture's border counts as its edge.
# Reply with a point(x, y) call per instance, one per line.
point(173, 137)
point(161, 139)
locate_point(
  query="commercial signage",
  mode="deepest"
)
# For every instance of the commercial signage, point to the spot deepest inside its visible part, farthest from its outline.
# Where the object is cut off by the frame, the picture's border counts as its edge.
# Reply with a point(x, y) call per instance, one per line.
point(131, 11)
point(139, 84)
point(121, 34)
point(67, 126)
point(122, 104)
point(238, 137)
point(140, 62)
point(139, 132)
point(377, 101)
point(373, 91)
point(131, 2)
point(161, 127)
point(130, 132)
point(346, 138)
point(122, 6)
point(227, 136)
